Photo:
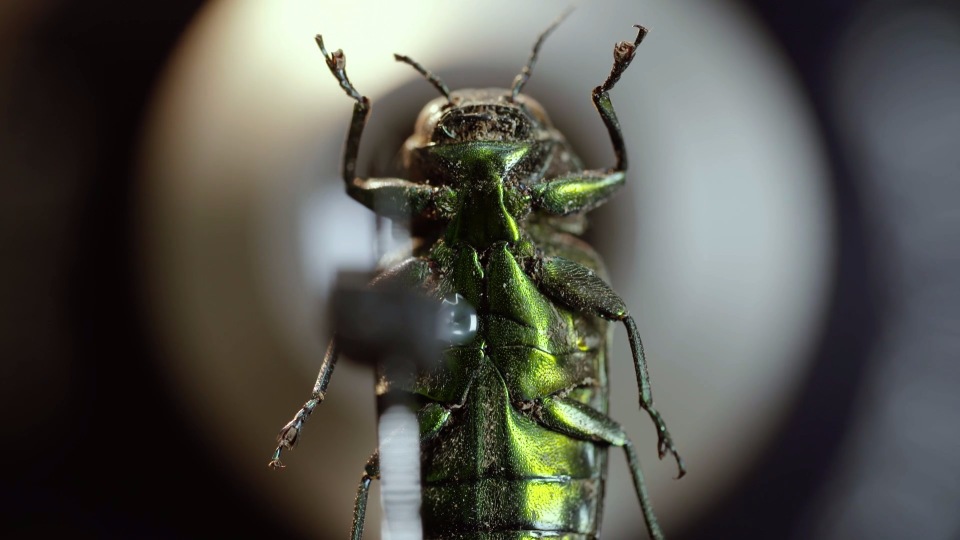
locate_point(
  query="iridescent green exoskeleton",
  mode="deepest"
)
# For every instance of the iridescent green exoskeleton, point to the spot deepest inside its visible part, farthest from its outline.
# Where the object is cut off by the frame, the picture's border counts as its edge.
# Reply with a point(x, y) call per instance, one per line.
point(513, 425)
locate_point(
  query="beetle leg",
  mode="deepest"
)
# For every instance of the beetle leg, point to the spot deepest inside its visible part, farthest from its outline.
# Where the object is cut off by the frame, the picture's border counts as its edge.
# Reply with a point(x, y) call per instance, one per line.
point(390, 197)
point(432, 418)
point(412, 272)
point(623, 54)
point(580, 421)
point(370, 471)
point(290, 434)
point(578, 287)
point(396, 198)
point(665, 441)
point(337, 62)
point(576, 192)
point(586, 190)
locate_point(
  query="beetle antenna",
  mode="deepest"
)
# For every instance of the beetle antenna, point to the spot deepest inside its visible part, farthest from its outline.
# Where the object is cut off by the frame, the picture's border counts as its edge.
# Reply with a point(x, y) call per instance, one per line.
point(434, 80)
point(524, 75)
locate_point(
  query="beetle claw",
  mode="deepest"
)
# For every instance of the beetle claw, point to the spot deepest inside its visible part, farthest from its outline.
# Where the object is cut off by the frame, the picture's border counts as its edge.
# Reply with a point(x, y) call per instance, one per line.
point(275, 463)
point(665, 446)
point(641, 33)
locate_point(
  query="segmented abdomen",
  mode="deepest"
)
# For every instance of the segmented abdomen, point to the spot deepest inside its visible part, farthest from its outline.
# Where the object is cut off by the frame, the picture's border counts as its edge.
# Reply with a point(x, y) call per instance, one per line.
point(494, 471)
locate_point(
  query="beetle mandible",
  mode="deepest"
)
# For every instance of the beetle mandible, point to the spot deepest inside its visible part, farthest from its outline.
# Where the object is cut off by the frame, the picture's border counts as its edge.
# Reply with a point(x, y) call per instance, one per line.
point(513, 424)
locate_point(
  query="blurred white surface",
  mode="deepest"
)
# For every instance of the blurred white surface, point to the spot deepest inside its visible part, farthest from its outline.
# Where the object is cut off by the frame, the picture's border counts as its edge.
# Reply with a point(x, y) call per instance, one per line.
point(721, 243)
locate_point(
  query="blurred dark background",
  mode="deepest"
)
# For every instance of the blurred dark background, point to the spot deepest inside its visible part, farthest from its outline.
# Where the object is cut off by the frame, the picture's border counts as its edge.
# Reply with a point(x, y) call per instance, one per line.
point(97, 447)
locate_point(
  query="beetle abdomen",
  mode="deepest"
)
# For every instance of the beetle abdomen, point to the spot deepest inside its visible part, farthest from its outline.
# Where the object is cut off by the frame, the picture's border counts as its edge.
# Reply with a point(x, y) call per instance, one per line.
point(494, 467)
point(513, 508)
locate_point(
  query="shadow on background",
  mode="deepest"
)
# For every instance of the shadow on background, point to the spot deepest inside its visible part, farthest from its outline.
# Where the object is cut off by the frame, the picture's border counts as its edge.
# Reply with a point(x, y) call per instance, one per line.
point(97, 447)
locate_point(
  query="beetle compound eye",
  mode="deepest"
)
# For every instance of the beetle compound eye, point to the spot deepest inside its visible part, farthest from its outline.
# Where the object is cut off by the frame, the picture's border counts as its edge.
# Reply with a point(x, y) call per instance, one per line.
point(447, 131)
point(458, 322)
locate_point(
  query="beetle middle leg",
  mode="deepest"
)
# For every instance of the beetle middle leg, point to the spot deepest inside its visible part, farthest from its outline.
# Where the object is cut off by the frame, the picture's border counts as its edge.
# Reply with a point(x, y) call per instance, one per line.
point(578, 287)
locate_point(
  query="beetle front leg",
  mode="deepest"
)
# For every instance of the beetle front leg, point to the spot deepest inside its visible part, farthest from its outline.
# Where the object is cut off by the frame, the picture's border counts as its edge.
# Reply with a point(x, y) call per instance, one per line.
point(396, 198)
point(576, 192)
point(390, 197)
point(623, 54)
point(578, 287)
point(585, 190)
point(337, 62)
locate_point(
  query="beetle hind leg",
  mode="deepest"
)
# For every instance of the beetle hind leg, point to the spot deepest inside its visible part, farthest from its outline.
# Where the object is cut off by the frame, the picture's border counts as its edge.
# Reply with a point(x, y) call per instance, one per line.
point(371, 471)
point(578, 287)
point(574, 419)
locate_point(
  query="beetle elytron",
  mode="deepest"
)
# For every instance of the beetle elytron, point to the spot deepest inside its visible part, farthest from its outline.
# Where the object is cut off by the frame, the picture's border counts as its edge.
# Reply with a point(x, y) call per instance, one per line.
point(513, 423)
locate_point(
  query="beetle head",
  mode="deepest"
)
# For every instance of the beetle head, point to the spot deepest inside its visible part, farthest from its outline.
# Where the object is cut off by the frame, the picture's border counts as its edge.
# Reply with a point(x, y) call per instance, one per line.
point(485, 114)
point(473, 115)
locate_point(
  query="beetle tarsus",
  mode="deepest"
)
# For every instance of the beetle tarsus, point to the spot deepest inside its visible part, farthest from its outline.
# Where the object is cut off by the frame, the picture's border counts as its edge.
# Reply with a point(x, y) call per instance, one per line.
point(289, 435)
point(275, 463)
point(337, 63)
point(664, 439)
point(665, 446)
point(623, 54)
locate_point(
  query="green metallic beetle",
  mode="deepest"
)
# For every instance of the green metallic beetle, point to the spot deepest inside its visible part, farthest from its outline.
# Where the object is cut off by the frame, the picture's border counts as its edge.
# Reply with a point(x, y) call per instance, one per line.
point(513, 423)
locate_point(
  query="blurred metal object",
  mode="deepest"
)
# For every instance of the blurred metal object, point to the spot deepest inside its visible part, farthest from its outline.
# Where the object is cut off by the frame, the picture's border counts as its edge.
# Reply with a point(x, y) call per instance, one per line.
point(395, 331)
point(384, 326)
point(400, 473)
